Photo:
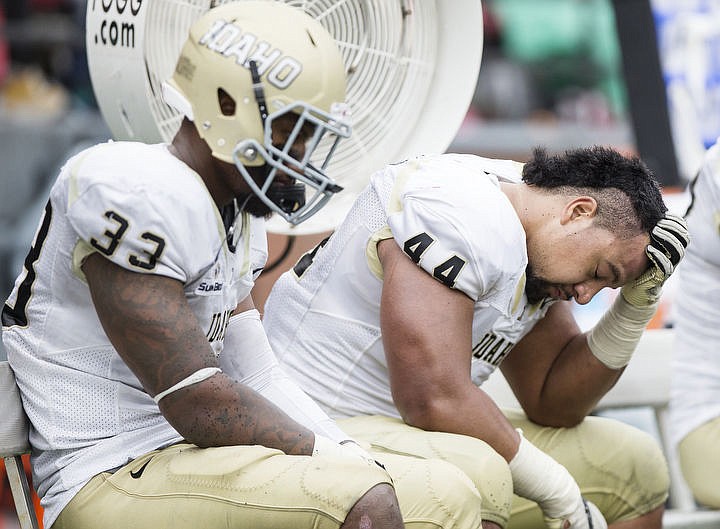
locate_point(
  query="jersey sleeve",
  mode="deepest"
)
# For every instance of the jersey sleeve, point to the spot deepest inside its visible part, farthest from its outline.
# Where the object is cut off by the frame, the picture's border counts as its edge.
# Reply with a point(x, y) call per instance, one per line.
point(146, 230)
point(462, 237)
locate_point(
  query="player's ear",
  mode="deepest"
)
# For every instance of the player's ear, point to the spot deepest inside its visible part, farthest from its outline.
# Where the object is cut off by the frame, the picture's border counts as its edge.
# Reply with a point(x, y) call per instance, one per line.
point(579, 208)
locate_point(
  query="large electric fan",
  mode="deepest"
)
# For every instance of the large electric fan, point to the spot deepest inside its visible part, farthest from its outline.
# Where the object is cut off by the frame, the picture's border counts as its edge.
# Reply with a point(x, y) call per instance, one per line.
point(412, 66)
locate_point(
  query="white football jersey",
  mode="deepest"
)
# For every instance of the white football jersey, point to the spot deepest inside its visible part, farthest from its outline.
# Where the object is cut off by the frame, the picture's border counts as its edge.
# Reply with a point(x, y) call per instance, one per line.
point(450, 216)
point(147, 212)
point(695, 382)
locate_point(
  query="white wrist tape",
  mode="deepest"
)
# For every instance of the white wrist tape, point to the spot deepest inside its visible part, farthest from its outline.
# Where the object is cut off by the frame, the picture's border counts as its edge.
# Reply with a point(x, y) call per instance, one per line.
point(197, 376)
point(538, 477)
point(614, 338)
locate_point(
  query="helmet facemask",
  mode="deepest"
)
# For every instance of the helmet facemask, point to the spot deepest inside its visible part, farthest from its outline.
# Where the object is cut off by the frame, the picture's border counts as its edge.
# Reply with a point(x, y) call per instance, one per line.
point(289, 200)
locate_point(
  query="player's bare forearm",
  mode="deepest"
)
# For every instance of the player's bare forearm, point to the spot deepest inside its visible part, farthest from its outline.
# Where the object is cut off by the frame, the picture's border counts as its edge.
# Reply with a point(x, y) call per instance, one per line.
point(150, 324)
point(574, 386)
point(228, 413)
point(465, 410)
point(566, 381)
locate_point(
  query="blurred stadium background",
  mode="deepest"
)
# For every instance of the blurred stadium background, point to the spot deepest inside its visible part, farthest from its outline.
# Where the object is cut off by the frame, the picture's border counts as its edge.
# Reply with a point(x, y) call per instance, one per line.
point(640, 75)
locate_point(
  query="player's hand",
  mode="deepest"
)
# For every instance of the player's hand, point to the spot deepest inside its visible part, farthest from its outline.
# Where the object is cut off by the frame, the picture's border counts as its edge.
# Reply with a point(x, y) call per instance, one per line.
point(325, 446)
point(354, 447)
point(668, 241)
point(585, 516)
point(538, 477)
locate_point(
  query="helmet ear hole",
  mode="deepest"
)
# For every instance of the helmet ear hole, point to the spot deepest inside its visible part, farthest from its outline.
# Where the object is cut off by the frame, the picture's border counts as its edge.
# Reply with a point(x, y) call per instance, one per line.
point(226, 103)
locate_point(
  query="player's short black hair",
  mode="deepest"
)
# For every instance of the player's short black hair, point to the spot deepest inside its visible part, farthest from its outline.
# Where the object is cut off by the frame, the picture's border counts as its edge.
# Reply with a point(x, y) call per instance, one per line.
point(611, 178)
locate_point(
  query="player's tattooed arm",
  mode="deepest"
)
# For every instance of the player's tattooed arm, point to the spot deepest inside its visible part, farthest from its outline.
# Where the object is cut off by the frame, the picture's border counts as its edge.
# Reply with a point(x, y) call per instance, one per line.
point(149, 322)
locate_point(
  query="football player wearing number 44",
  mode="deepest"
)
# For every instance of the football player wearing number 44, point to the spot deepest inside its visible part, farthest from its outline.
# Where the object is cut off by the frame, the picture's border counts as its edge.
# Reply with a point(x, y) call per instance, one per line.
point(450, 266)
point(142, 364)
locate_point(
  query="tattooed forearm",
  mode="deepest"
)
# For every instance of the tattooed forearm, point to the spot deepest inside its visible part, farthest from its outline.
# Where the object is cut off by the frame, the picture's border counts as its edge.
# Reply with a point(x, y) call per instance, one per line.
point(149, 322)
point(239, 415)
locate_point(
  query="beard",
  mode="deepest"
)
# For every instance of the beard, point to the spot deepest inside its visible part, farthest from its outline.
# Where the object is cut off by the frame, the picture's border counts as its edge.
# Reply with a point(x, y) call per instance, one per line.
point(536, 288)
point(287, 197)
point(251, 202)
point(256, 207)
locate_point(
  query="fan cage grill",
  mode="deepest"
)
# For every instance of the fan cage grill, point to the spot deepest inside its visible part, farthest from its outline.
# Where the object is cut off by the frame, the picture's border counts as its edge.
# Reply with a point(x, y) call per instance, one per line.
point(389, 63)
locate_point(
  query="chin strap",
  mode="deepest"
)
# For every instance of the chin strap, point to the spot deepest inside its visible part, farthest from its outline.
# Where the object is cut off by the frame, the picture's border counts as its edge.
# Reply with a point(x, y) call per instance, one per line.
point(288, 198)
point(258, 91)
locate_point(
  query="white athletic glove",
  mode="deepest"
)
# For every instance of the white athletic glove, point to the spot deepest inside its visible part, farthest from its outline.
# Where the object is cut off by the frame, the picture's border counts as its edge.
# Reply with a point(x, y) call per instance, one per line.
point(615, 336)
point(668, 241)
point(538, 477)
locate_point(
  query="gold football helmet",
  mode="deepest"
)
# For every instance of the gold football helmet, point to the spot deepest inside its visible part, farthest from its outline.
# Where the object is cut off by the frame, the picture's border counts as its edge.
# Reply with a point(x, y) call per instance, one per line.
point(271, 59)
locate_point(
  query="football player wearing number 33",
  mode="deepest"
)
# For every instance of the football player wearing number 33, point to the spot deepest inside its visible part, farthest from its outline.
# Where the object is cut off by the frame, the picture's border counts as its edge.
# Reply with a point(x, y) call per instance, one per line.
point(142, 364)
point(450, 266)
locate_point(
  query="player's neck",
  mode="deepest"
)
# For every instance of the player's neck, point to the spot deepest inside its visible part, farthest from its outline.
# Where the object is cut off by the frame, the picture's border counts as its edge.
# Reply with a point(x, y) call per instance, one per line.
point(534, 209)
point(518, 198)
point(188, 147)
